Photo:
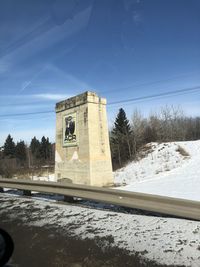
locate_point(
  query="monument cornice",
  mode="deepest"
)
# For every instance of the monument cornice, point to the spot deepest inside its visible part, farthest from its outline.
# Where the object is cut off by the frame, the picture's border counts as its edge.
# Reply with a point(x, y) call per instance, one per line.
point(84, 98)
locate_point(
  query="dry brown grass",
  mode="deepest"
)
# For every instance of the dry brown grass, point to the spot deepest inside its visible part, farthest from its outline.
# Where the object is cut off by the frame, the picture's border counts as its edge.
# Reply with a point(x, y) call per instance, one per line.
point(144, 151)
point(182, 151)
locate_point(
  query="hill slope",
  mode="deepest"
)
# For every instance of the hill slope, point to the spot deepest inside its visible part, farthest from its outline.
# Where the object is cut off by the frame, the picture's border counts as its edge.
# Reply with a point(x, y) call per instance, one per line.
point(170, 169)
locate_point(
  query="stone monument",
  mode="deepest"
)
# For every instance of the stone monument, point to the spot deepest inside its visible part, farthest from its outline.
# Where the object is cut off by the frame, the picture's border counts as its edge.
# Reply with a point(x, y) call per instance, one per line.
point(82, 141)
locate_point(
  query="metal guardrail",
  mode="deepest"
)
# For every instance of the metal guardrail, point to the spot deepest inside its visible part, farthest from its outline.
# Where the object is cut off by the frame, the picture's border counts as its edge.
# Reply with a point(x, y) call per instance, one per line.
point(166, 205)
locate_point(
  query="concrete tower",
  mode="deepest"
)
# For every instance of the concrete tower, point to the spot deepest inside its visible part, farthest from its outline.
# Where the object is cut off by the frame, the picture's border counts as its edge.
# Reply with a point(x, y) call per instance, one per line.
point(82, 141)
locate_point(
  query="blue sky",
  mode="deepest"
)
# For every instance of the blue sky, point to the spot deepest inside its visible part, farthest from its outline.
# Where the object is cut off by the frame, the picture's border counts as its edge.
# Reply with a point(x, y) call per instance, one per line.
point(121, 49)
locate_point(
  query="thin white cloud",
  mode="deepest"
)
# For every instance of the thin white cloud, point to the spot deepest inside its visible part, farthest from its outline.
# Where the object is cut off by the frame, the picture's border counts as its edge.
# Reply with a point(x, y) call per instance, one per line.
point(71, 80)
point(59, 78)
point(28, 83)
point(24, 99)
point(51, 96)
point(51, 36)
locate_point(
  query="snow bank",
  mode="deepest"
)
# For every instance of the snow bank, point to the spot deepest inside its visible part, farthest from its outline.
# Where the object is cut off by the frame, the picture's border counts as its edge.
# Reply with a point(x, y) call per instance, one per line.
point(165, 171)
point(49, 178)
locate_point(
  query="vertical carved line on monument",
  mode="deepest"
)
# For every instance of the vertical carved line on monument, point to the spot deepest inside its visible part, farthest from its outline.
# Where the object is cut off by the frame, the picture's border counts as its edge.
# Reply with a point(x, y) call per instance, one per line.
point(102, 148)
point(77, 125)
point(85, 115)
point(89, 166)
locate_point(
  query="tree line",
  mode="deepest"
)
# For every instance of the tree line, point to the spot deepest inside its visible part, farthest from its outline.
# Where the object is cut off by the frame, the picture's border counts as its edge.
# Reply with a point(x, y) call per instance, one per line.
point(20, 155)
point(127, 138)
point(170, 124)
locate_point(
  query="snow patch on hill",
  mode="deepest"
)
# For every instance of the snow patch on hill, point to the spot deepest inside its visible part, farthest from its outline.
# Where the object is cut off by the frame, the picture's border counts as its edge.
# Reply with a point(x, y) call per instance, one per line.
point(170, 169)
point(163, 158)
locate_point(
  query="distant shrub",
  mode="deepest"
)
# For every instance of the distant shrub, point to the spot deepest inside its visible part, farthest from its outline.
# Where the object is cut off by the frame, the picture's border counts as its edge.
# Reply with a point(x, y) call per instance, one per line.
point(6, 172)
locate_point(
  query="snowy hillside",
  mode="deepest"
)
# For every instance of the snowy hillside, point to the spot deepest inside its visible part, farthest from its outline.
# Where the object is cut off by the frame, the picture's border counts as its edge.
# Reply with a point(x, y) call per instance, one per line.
point(170, 169)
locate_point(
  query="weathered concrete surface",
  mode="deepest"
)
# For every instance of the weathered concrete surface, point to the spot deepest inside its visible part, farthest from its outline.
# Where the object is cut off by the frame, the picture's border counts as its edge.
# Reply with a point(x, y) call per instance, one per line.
point(86, 159)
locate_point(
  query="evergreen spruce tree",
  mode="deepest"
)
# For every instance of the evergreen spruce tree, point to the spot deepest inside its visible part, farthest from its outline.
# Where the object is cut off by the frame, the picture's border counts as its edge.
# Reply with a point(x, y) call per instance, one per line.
point(34, 146)
point(40, 150)
point(9, 147)
point(20, 152)
point(35, 151)
point(121, 139)
point(45, 149)
point(48, 149)
point(122, 124)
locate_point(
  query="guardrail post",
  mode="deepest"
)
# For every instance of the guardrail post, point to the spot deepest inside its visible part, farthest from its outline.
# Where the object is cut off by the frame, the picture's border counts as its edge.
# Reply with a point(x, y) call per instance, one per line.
point(27, 193)
point(69, 199)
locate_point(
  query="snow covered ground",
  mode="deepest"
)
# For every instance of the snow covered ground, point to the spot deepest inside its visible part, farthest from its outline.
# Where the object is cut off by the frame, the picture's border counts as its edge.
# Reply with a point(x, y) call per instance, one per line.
point(48, 178)
point(166, 170)
point(167, 241)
